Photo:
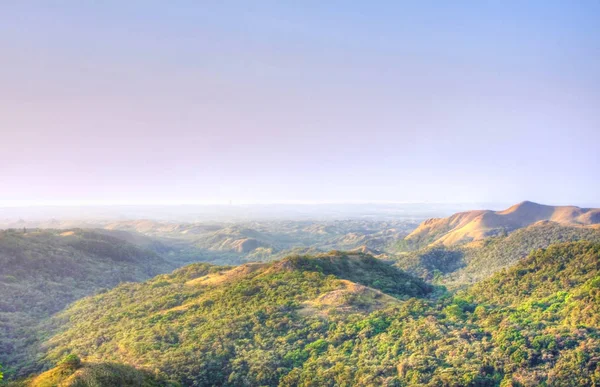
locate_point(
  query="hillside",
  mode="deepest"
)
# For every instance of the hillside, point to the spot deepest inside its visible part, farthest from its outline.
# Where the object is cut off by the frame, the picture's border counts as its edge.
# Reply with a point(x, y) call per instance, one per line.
point(209, 325)
point(43, 271)
point(476, 225)
point(342, 319)
point(557, 270)
point(460, 265)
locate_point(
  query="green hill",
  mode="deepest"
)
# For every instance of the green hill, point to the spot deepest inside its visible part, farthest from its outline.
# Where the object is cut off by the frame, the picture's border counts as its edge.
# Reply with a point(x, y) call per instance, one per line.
point(44, 271)
point(247, 325)
point(330, 321)
point(337, 320)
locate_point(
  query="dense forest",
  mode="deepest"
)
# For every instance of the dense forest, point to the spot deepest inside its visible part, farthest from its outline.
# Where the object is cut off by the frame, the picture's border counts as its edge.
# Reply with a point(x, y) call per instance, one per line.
point(341, 320)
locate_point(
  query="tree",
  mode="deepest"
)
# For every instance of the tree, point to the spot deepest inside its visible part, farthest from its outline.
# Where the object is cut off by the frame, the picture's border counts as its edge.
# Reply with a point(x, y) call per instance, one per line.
point(71, 361)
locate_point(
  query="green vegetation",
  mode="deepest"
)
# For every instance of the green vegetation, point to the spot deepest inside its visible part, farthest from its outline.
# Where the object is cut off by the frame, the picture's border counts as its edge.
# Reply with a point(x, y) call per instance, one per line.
point(43, 271)
point(206, 325)
point(321, 321)
point(523, 316)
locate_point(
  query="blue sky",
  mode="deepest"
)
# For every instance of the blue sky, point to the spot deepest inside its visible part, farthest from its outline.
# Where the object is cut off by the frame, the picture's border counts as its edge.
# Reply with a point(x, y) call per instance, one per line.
point(273, 101)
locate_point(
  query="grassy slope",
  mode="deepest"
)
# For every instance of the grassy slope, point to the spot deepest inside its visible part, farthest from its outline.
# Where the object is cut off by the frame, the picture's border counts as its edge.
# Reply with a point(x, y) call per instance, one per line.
point(476, 225)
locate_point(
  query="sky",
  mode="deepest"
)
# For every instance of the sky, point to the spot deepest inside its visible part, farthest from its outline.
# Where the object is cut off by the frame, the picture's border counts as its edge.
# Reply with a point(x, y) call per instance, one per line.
point(154, 102)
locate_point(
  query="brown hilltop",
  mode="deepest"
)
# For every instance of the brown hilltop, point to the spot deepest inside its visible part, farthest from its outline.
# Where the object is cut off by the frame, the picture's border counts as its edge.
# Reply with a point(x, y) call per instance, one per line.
point(475, 225)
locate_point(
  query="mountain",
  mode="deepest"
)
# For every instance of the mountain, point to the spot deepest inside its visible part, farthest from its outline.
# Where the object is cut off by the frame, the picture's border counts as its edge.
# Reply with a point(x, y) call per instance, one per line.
point(460, 265)
point(42, 271)
point(476, 225)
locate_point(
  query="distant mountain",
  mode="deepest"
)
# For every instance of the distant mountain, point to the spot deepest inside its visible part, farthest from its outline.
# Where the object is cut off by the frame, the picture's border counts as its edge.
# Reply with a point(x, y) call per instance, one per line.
point(476, 225)
point(237, 243)
point(236, 239)
point(226, 243)
point(42, 271)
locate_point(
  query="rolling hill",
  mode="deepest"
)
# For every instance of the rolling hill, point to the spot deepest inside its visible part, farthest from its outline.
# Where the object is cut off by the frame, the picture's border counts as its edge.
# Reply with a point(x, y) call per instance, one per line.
point(246, 325)
point(346, 319)
point(476, 225)
point(237, 243)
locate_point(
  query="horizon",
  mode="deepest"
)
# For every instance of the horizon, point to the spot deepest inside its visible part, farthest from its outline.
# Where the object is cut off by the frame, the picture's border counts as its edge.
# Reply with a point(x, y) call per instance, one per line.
point(266, 103)
point(90, 215)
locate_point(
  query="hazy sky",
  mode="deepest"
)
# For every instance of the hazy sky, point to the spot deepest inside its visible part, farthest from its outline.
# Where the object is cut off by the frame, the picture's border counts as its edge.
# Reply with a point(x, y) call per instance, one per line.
point(317, 101)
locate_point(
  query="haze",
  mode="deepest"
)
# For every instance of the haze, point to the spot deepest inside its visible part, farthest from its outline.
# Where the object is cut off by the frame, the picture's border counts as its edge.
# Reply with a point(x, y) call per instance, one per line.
point(210, 102)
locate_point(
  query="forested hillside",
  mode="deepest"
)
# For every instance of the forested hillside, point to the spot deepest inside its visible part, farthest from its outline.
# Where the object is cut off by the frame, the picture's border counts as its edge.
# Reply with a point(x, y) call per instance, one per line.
point(43, 271)
point(246, 325)
point(348, 320)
